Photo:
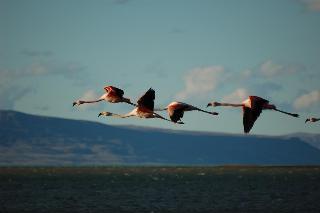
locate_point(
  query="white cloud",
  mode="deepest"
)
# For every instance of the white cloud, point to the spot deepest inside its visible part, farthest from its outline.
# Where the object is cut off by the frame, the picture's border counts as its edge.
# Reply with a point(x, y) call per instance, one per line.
point(236, 96)
point(200, 81)
point(307, 100)
point(89, 95)
point(69, 70)
point(10, 92)
point(37, 69)
point(271, 69)
point(13, 88)
point(245, 74)
point(312, 5)
point(9, 95)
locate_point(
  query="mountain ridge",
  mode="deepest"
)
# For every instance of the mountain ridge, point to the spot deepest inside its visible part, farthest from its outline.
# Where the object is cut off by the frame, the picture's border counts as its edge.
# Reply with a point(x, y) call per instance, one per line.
point(39, 140)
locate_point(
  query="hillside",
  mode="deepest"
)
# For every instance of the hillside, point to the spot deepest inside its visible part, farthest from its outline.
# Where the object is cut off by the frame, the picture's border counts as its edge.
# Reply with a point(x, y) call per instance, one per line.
point(36, 140)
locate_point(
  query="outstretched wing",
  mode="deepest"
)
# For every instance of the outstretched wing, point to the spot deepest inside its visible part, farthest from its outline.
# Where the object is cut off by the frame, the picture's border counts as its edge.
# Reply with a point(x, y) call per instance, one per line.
point(114, 90)
point(175, 114)
point(251, 114)
point(257, 103)
point(147, 100)
point(249, 117)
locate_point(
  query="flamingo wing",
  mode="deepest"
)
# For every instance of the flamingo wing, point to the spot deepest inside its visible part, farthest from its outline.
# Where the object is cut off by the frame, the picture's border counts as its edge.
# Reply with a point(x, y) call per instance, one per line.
point(249, 117)
point(147, 100)
point(114, 90)
point(257, 102)
point(175, 114)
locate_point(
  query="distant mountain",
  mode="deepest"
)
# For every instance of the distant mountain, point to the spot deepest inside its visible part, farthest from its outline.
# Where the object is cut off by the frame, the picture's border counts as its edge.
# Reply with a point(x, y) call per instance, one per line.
point(36, 140)
point(312, 139)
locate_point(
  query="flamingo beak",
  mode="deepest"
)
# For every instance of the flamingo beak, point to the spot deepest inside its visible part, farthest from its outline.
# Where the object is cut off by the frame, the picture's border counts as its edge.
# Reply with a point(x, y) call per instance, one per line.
point(74, 103)
point(307, 120)
point(209, 104)
point(99, 114)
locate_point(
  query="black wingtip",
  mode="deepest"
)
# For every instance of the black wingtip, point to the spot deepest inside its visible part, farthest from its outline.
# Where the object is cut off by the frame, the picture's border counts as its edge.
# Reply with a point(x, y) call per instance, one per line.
point(246, 131)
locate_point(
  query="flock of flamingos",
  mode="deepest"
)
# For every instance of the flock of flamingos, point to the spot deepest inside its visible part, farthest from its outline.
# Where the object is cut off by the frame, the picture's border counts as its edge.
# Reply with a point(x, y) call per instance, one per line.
point(144, 108)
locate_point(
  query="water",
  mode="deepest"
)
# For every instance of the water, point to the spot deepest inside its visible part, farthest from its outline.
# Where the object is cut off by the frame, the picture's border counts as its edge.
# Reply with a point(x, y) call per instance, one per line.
point(160, 189)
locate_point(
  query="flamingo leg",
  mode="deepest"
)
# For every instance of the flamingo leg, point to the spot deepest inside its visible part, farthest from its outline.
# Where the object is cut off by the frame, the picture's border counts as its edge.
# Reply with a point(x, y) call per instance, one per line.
point(288, 113)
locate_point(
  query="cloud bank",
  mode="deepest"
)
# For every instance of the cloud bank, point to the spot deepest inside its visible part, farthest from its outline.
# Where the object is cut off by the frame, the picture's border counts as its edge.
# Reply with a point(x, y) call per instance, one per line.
point(237, 96)
point(307, 100)
point(264, 80)
point(271, 69)
point(200, 82)
point(90, 95)
point(12, 86)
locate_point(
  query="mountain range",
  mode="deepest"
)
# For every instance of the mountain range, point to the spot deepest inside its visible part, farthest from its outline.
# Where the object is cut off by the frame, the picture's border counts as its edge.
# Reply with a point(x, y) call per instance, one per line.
point(47, 141)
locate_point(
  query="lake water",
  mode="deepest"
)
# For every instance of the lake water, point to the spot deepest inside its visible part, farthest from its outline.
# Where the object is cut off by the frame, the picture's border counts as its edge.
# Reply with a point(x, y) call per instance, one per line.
point(160, 189)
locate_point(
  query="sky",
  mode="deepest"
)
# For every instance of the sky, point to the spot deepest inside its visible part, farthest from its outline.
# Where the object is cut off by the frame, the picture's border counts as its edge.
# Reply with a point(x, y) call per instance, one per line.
point(195, 51)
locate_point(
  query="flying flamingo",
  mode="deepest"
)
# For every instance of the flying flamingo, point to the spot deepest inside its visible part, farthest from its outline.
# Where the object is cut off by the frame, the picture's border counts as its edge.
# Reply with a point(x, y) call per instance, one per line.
point(144, 109)
point(252, 107)
point(176, 110)
point(312, 119)
point(112, 95)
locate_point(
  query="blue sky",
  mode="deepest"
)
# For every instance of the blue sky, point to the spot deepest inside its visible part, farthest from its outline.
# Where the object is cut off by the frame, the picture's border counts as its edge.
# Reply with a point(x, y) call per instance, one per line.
point(54, 52)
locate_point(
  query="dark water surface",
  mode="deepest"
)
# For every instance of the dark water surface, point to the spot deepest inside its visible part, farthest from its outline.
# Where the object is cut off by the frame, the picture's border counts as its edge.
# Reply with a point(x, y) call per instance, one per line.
point(160, 189)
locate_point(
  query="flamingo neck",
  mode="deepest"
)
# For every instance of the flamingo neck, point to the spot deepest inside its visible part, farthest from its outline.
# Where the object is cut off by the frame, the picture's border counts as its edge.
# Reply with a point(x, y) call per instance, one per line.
point(228, 104)
point(94, 101)
point(269, 106)
point(119, 115)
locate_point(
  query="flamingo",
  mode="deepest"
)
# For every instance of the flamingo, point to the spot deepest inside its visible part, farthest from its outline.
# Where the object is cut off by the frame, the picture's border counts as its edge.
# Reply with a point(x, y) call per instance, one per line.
point(112, 95)
point(252, 107)
point(144, 109)
point(176, 110)
point(312, 119)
